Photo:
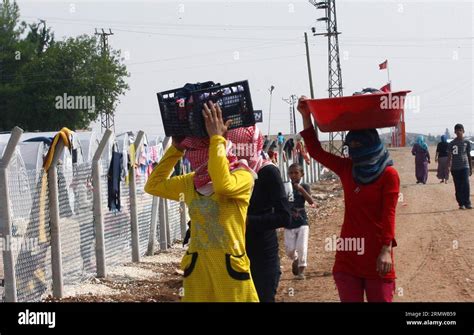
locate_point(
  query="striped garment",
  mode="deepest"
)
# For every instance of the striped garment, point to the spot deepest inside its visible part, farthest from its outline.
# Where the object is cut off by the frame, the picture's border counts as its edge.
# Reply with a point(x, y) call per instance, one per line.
point(459, 150)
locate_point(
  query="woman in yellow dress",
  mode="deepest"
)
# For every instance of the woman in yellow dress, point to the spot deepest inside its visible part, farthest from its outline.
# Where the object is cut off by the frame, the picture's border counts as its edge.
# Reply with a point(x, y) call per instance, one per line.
point(216, 267)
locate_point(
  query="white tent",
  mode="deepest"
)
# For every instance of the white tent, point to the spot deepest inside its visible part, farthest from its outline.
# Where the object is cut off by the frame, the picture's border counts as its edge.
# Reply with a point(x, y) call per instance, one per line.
point(33, 154)
point(67, 164)
point(19, 191)
point(155, 140)
point(123, 142)
point(4, 138)
point(89, 144)
point(67, 157)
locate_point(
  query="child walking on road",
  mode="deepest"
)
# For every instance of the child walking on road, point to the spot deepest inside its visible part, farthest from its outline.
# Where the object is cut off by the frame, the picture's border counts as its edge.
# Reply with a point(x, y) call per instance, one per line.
point(296, 234)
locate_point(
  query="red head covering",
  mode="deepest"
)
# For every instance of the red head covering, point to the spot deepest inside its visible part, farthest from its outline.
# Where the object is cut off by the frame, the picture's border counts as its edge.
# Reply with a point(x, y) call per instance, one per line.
point(197, 153)
point(248, 145)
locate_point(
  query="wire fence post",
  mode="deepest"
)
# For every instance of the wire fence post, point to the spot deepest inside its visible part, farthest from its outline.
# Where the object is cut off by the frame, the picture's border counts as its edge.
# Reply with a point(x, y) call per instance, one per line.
point(97, 198)
point(305, 171)
point(133, 199)
point(163, 209)
point(315, 169)
point(5, 218)
point(56, 257)
point(152, 236)
point(163, 225)
point(182, 209)
point(285, 173)
point(156, 210)
point(168, 226)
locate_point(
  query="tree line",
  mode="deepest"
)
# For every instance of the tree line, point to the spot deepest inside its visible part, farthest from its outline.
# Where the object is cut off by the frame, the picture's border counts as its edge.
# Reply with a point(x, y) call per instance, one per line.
point(37, 71)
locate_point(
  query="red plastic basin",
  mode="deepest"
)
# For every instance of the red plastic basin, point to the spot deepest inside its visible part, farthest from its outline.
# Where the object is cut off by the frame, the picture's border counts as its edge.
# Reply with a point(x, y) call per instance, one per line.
point(378, 110)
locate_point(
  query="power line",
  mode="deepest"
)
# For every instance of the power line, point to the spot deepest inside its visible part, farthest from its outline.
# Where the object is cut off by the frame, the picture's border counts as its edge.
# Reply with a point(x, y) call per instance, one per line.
point(181, 68)
point(258, 46)
point(193, 36)
point(163, 25)
point(203, 36)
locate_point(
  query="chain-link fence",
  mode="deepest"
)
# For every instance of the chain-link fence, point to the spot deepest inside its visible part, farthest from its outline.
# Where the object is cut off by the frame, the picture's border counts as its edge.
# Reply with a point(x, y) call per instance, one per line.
point(76, 222)
point(174, 220)
point(144, 204)
point(31, 256)
point(117, 229)
point(29, 204)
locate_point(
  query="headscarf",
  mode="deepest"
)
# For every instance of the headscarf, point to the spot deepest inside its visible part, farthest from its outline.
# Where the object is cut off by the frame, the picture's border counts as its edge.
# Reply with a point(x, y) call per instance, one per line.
point(197, 153)
point(248, 145)
point(370, 159)
point(443, 139)
point(421, 142)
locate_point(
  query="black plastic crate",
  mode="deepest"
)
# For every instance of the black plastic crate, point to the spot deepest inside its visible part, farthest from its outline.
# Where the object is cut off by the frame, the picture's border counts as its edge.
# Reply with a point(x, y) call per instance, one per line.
point(185, 118)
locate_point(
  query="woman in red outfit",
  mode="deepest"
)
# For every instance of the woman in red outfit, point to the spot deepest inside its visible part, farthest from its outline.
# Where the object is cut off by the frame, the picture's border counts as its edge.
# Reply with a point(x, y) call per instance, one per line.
point(364, 256)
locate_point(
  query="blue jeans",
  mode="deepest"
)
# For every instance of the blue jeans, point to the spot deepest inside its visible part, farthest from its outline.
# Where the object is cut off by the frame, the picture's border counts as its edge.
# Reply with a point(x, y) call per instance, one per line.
point(461, 184)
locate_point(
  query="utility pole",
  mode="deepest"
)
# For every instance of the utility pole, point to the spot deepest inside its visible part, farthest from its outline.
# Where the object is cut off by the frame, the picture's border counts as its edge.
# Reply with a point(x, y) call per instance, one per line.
point(106, 116)
point(292, 101)
point(309, 65)
point(334, 64)
point(270, 109)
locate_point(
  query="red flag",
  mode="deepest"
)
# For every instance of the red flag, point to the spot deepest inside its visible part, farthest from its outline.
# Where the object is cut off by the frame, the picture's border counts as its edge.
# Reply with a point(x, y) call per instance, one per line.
point(386, 88)
point(383, 65)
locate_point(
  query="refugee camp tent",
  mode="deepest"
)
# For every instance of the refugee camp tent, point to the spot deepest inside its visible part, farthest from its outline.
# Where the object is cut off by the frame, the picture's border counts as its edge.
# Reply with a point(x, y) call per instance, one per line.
point(67, 165)
point(89, 144)
point(18, 190)
point(154, 140)
point(33, 154)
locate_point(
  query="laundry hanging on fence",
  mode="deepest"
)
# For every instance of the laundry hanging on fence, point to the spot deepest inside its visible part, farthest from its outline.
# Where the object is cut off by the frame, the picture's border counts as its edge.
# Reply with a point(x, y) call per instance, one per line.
point(113, 181)
point(31, 284)
point(124, 170)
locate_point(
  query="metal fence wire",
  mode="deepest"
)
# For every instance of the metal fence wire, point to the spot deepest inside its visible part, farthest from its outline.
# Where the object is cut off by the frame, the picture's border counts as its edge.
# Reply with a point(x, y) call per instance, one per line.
point(30, 219)
point(117, 228)
point(32, 260)
point(76, 222)
point(174, 221)
point(144, 204)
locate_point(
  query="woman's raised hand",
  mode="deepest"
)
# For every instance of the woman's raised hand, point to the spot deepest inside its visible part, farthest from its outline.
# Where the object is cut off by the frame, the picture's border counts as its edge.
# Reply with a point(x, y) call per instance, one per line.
point(302, 107)
point(305, 113)
point(213, 118)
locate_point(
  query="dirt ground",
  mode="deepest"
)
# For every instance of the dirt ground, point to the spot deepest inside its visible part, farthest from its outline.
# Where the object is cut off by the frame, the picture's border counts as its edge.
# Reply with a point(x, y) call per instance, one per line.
point(434, 258)
point(155, 279)
point(435, 253)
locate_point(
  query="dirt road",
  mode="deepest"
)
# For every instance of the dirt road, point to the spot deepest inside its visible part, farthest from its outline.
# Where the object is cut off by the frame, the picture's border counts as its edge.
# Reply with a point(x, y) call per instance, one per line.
point(435, 254)
point(434, 258)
